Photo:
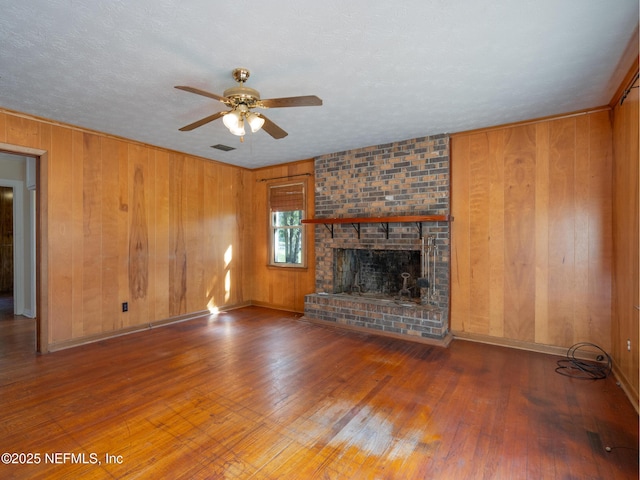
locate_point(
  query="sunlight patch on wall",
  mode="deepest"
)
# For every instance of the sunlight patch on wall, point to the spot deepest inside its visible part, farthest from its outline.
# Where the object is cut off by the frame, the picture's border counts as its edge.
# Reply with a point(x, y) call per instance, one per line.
point(228, 254)
point(213, 309)
point(211, 304)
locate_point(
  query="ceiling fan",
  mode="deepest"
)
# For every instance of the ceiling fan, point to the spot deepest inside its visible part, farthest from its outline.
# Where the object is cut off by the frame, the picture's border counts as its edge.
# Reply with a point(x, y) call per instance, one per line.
point(242, 100)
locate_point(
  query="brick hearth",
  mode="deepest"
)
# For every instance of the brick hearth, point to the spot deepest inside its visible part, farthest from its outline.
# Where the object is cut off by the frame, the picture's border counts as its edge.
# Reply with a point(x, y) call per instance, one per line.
point(384, 315)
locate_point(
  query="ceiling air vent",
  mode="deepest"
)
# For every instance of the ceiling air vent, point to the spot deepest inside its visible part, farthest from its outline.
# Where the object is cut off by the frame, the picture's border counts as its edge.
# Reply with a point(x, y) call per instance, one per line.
point(224, 148)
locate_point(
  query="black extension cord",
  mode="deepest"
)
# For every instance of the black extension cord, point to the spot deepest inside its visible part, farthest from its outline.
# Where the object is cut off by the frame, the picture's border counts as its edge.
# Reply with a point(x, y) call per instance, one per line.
point(585, 369)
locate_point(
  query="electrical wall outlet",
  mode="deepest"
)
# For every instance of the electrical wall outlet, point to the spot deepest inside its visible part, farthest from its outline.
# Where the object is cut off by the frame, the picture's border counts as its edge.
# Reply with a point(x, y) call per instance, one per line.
point(125, 306)
point(629, 344)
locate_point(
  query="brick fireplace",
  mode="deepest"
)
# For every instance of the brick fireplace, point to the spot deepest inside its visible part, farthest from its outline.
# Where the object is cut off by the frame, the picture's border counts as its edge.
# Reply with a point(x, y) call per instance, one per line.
point(401, 179)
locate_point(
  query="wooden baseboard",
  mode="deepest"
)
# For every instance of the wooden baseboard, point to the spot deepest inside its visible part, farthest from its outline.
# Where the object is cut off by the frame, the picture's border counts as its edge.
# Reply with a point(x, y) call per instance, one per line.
point(76, 342)
point(505, 342)
point(631, 394)
point(627, 388)
point(275, 307)
point(444, 342)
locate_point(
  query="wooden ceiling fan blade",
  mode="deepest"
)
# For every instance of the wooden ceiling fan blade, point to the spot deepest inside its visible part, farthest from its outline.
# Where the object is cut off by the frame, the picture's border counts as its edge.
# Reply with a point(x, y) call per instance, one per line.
point(202, 121)
point(303, 101)
point(197, 91)
point(272, 129)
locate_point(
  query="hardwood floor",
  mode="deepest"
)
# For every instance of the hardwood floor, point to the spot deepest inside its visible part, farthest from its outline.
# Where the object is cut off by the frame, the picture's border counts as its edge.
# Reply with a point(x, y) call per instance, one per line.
point(259, 394)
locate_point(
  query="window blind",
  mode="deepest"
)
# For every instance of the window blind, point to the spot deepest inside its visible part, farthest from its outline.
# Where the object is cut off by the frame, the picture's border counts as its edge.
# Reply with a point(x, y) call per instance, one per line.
point(286, 198)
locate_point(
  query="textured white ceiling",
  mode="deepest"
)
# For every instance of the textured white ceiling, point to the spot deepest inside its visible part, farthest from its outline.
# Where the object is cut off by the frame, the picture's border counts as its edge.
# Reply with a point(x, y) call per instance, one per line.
point(386, 71)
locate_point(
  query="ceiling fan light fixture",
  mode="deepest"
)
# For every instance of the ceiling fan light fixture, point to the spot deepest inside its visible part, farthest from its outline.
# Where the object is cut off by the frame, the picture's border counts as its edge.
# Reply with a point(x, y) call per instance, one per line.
point(239, 129)
point(255, 122)
point(231, 120)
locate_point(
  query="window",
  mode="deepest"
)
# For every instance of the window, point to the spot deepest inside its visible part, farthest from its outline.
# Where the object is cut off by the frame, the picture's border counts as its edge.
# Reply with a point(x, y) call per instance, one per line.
point(286, 210)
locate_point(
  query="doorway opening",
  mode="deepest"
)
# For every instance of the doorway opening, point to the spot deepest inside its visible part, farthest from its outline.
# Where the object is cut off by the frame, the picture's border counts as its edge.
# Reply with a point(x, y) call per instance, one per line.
point(19, 248)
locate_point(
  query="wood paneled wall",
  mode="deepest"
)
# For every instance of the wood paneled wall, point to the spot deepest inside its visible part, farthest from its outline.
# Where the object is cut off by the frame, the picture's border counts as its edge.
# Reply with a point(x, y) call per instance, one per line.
point(126, 222)
point(279, 287)
point(626, 287)
point(531, 239)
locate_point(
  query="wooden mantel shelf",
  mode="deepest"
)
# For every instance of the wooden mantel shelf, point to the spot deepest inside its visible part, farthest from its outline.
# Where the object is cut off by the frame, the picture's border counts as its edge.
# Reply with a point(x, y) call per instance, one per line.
point(400, 219)
point(385, 221)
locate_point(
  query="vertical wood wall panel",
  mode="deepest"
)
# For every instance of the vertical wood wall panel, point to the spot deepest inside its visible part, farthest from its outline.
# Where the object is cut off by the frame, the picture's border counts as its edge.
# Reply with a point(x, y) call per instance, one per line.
point(159, 270)
point(561, 231)
point(42, 222)
point(600, 242)
point(460, 228)
point(177, 243)
point(138, 229)
point(239, 240)
point(542, 234)
point(519, 221)
point(583, 224)
point(546, 238)
point(479, 194)
point(123, 231)
point(77, 239)
point(193, 193)
point(61, 229)
point(3, 128)
point(110, 295)
point(91, 210)
point(626, 228)
point(496, 233)
point(213, 236)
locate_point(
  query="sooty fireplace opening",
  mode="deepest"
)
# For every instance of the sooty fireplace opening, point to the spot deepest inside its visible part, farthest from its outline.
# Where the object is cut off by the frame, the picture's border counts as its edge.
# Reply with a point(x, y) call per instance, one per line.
point(376, 272)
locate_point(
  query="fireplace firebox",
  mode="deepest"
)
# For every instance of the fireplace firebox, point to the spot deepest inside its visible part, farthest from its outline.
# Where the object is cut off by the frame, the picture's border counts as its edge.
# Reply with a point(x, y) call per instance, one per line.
point(379, 273)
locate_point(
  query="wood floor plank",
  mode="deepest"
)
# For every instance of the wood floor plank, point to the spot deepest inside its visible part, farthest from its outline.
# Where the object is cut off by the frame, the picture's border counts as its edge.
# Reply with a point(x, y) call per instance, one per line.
point(260, 394)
